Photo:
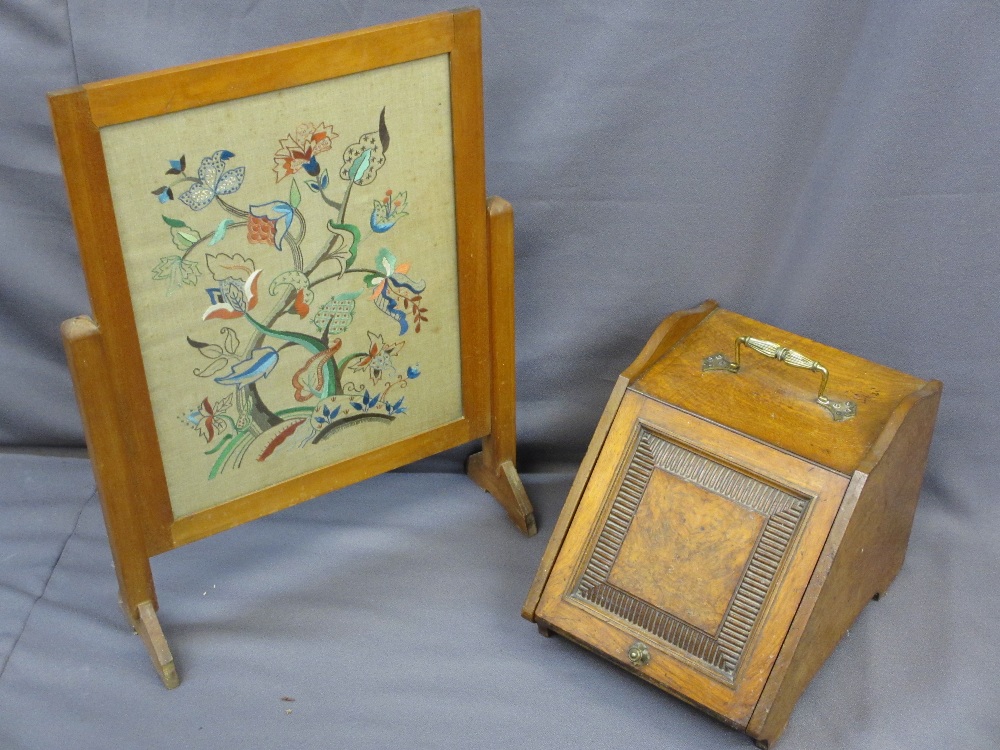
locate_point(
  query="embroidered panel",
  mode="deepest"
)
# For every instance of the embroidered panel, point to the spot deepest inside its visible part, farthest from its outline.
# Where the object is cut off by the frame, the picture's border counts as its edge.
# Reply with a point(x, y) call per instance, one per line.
point(292, 267)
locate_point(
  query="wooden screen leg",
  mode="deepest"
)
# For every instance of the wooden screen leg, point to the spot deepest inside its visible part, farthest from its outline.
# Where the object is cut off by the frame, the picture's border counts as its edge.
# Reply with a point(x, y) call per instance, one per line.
point(493, 468)
point(95, 395)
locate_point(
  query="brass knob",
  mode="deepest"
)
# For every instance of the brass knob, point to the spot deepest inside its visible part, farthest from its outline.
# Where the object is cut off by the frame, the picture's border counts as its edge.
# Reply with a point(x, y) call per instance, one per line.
point(638, 654)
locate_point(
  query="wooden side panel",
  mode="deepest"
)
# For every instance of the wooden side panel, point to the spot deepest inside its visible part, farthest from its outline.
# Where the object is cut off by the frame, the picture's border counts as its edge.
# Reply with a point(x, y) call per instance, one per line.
point(573, 500)
point(667, 335)
point(83, 164)
point(495, 467)
point(105, 444)
point(861, 558)
point(471, 217)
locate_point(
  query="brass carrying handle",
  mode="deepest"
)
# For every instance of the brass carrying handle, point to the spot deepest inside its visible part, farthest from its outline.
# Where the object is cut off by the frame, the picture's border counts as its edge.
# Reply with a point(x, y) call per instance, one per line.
point(839, 410)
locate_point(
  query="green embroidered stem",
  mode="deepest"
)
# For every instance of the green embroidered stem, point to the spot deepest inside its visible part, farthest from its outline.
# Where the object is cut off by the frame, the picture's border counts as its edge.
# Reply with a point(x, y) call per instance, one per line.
point(221, 460)
point(331, 381)
point(220, 446)
point(208, 237)
point(348, 358)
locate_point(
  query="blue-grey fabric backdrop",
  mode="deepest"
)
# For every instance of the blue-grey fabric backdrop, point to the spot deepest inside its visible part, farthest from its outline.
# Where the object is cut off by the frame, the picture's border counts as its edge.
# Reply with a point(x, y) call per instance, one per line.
point(829, 168)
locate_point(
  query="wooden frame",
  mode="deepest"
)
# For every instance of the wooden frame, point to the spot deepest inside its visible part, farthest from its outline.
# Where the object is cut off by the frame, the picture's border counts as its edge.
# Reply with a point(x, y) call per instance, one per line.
point(110, 378)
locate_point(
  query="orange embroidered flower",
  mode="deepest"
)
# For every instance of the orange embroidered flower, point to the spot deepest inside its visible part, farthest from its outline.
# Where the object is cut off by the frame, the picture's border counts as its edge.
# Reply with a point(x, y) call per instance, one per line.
point(260, 230)
point(378, 361)
point(299, 150)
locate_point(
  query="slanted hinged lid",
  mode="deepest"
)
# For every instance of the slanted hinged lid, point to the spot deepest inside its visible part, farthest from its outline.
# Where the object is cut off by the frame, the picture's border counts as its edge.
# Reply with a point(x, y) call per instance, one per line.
point(773, 402)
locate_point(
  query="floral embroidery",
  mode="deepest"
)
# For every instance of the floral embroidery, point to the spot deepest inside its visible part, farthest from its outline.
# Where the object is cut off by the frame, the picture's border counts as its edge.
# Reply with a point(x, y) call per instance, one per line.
point(363, 160)
point(378, 360)
point(258, 365)
point(236, 297)
point(213, 179)
point(327, 382)
point(387, 212)
point(260, 230)
point(300, 149)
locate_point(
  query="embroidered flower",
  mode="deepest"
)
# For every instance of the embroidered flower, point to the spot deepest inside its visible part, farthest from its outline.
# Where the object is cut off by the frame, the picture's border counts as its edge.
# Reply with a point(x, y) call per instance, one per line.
point(258, 365)
point(279, 214)
point(213, 179)
point(363, 160)
point(163, 193)
point(205, 420)
point(378, 361)
point(260, 230)
point(388, 211)
point(395, 287)
point(233, 298)
point(299, 150)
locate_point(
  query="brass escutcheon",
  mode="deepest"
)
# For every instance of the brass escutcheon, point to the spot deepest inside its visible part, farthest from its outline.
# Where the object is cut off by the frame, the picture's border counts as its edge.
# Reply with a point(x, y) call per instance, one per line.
point(638, 654)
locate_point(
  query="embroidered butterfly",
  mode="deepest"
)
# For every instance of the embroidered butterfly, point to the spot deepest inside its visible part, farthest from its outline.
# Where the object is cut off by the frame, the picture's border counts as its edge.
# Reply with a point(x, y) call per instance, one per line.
point(213, 179)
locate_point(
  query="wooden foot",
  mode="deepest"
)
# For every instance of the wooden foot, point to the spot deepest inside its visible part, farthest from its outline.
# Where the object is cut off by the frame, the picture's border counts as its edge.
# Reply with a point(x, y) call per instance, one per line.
point(505, 485)
point(147, 626)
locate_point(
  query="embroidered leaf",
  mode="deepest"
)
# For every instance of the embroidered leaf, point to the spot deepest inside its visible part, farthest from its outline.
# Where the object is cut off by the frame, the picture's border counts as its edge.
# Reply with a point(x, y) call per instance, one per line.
point(279, 439)
point(346, 251)
point(383, 131)
point(212, 351)
point(337, 313)
point(385, 261)
point(184, 236)
point(360, 165)
point(177, 271)
point(295, 279)
point(211, 368)
point(324, 180)
point(314, 186)
point(294, 195)
point(232, 341)
point(220, 231)
point(171, 222)
point(223, 403)
point(300, 305)
point(223, 266)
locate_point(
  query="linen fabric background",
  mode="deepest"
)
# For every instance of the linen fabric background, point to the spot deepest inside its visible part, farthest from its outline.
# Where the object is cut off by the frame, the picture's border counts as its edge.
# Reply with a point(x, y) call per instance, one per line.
point(420, 165)
point(829, 168)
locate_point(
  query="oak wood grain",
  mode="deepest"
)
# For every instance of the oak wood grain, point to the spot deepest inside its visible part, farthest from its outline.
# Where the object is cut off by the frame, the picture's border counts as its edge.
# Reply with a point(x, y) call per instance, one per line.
point(494, 468)
point(672, 667)
point(647, 549)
